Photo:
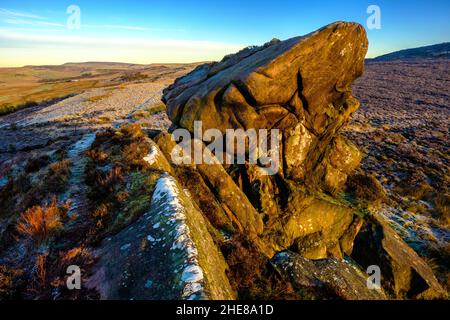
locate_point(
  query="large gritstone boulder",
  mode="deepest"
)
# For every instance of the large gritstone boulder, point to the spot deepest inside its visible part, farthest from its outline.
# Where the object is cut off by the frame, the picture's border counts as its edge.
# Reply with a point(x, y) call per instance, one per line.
point(302, 87)
point(167, 253)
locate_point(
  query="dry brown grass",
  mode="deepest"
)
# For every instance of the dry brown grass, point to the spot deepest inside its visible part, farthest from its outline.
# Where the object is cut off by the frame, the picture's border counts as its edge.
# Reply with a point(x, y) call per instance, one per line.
point(40, 223)
point(5, 108)
point(101, 211)
point(125, 190)
point(442, 205)
point(9, 278)
point(159, 108)
point(108, 181)
point(121, 196)
point(58, 176)
point(49, 273)
point(97, 156)
point(133, 76)
point(31, 94)
point(432, 263)
point(98, 98)
point(129, 133)
point(133, 154)
point(103, 186)
point(103, 120)
point(31, 187)
point(251, 274)
point(140, 115)
point(79, 256)
point(365, 188)
point(19, 194)
point(41, 270)
point(421, 191)
point(148, 112)
point(133, 146)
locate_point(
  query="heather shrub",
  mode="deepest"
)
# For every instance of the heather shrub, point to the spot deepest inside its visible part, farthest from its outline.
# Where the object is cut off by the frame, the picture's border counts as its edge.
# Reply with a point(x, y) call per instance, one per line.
point(41, 222)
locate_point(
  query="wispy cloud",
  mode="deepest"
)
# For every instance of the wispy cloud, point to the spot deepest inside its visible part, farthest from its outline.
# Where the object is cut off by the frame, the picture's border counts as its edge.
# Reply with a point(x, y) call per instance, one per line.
point(22, 22)
point(19, 18)
point(18, 14)
point(113, 26)
point(71, 40)
point(127, 27)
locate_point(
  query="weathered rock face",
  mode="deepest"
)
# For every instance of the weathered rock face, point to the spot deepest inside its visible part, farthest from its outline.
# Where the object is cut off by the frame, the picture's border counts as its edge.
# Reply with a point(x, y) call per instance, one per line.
point(329, 278)
point(301, 86)
point(167, 254)
point(404, 274)
point(318, 228)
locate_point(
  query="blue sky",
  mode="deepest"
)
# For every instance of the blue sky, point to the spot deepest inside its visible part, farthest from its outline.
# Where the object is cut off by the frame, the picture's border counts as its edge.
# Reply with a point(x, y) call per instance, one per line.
point(35, 32)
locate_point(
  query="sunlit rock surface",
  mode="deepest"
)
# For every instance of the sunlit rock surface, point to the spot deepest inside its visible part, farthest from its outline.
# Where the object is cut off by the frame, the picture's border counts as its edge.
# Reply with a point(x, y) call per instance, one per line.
point(301, 86)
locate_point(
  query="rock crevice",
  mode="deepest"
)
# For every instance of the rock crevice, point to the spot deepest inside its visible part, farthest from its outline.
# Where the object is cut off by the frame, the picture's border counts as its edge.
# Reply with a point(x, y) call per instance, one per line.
point(302, 87)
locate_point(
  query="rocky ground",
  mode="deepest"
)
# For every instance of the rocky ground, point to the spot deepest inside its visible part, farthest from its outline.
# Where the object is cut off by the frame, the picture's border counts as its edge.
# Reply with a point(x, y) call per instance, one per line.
point(88, 181)
point(44, 128)
point(403, 129)
point(52, 140)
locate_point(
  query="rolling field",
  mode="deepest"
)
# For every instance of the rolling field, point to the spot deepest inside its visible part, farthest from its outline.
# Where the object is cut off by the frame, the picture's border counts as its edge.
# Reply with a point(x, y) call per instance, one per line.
point(34, 85)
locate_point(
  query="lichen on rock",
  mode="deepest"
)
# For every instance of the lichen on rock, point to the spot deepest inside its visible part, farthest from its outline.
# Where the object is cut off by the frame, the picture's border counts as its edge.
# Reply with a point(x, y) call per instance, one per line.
point(302, 87)
point(176, 255)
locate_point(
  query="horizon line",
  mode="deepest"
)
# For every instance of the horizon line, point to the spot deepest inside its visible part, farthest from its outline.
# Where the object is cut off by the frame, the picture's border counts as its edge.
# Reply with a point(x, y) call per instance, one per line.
point(185, 62)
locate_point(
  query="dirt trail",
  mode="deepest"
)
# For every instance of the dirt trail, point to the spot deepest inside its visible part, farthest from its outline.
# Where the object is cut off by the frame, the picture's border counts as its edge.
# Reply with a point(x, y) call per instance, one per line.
point(76, 191)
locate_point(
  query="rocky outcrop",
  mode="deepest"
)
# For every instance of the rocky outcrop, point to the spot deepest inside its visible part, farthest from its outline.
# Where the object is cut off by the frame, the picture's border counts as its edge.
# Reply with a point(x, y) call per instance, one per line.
point(168, 253)
point(404, 274)
point(319, 228)
point(328, 278)
point(302, 87)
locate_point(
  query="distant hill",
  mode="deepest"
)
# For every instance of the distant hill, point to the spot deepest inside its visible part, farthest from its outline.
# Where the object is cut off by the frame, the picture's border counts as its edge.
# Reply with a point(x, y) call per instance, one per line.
point(87, 65)
point(103, 65)
point(441, 50)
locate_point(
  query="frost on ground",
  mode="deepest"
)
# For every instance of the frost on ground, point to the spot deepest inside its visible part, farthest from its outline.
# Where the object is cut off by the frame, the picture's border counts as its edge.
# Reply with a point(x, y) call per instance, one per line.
point(167, 253)
point(167, 199)
point(402, 127)
point(156, 257)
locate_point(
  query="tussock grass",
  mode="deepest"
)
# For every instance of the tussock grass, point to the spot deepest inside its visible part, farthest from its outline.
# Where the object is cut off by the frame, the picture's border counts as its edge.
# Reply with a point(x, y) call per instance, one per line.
point(58, 176)
point(251, 274)
point(98, 97)
point(41, 222)
point(117, 174)
point(159, 108)
point(103, 120)
point(442, 206)
point(9, 282)
point(365, 188)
